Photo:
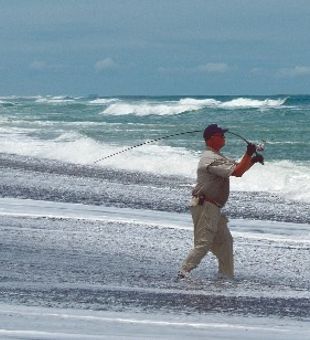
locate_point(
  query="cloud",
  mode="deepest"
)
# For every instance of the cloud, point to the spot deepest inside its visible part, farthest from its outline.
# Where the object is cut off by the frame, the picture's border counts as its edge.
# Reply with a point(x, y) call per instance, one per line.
point(296, 71)
point(204, 68)
point(105, 64)
point(257, 71)
point(171, 70)
point(213, 68)
point(40, 65)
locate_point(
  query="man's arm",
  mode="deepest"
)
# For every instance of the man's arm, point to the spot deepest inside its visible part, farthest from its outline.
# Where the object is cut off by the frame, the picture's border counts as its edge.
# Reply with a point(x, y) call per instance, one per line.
point(246, 161)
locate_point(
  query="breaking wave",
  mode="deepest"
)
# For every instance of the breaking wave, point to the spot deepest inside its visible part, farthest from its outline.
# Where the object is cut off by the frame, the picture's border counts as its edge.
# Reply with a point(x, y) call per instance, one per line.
point(54, 100)
point(144, 108)
point(6, 103)
point(100, 101)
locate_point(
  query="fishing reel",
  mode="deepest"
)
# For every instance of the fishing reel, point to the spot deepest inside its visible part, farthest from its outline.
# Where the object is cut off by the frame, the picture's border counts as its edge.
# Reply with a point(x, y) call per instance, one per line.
point(261, 146)
point(258, 158)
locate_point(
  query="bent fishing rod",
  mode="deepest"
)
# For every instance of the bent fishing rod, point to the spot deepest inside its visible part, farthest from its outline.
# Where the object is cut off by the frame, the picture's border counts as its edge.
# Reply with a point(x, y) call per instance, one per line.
point(259, 147)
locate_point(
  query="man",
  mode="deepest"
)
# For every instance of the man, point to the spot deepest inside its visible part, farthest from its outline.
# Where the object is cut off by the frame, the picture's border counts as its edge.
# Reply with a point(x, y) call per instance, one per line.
point(209, 196)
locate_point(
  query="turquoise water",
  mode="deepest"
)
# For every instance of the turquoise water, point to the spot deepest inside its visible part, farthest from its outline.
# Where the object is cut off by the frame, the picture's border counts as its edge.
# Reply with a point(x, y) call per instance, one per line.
point(284, 124)
point(84, 129)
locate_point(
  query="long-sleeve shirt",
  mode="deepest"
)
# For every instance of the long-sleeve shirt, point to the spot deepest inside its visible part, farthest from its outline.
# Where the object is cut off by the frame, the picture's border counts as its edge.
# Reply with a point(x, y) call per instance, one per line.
point(213, 174)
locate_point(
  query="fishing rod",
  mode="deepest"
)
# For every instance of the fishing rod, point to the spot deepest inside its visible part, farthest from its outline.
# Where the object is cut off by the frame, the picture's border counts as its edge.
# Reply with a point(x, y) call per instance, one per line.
point(236, 134)
point(259, 147)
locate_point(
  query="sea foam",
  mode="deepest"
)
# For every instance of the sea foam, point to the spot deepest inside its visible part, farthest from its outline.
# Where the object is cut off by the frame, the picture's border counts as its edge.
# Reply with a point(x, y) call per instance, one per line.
point(284, 178)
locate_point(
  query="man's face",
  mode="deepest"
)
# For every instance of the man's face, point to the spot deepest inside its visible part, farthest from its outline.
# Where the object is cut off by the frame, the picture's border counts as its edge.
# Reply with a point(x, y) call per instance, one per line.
point(217, 141)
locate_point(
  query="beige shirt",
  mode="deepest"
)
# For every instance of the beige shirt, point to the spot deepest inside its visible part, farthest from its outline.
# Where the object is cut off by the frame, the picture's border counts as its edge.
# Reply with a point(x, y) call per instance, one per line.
point(213, 176)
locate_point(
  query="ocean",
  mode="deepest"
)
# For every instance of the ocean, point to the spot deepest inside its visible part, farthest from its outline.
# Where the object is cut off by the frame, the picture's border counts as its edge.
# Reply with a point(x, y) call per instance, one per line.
point(82, 233)
point(75, 132)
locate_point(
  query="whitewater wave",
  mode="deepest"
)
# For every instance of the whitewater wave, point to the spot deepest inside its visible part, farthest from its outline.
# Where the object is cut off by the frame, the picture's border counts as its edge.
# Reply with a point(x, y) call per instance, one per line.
point(144, 108)
point(54, 100)
point(253, 103)
point(100, 101)
point(6, 103)
point(284, 178)
point(149, 108)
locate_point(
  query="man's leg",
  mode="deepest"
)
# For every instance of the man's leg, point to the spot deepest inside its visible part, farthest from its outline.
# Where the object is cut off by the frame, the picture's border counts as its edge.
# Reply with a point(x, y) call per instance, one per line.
point(205, 219)
point(222, 248)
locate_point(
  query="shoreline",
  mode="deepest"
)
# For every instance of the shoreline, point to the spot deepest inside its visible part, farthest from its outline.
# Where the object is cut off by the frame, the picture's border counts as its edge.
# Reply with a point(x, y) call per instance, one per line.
point(90, 272)
point(251, 228)
point(51, 323)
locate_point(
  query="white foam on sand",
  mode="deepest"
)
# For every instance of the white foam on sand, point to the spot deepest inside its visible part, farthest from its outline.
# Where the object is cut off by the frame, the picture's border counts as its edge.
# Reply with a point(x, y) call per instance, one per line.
point(254, 229)
point(32, 322)
point(22, 322)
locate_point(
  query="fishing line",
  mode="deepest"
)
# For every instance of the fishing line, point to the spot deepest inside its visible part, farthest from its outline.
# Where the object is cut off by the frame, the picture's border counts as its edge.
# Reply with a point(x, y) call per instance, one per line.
point(260, 147)
point(144, 143)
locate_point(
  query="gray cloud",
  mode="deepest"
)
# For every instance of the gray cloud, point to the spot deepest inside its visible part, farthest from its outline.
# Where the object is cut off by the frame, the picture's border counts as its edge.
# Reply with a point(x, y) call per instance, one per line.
point(213, 68)
point(296, 71)
point(41, 65)
point(105, 64)
point(203, 68)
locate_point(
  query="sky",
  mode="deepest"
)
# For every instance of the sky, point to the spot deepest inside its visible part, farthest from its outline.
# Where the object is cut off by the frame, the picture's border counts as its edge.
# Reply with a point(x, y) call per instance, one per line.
point(154, 47)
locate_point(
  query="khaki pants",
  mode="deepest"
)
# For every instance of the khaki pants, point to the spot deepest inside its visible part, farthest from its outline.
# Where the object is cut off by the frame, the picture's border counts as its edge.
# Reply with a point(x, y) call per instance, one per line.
point(211, 233)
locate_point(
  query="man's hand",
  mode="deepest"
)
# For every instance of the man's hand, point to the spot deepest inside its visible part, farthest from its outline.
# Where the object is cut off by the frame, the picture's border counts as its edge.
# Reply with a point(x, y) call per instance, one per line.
point(258, 159)
point(251, 148)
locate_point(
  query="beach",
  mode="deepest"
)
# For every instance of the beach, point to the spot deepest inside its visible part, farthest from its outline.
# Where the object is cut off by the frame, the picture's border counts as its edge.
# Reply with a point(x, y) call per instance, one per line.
point(72, 270)
point(103, 112)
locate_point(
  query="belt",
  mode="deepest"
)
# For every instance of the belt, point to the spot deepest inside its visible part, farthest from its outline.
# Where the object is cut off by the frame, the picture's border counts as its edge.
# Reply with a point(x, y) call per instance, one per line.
point(203, 198)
